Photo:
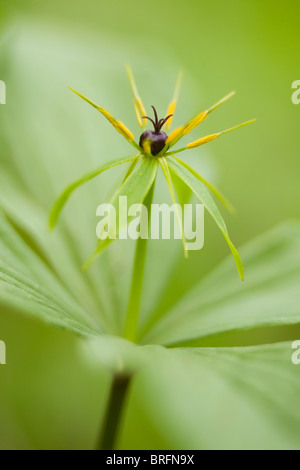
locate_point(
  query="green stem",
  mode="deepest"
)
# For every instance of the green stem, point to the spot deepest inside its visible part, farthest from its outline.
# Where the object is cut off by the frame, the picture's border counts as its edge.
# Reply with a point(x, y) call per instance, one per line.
point(133, 310)
point(118, 391)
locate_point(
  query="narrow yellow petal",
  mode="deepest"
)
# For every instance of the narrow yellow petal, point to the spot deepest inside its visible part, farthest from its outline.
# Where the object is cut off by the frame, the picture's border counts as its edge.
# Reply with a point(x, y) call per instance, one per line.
point(171, 110)
point(194, 122)
point(138, 104)
point(209, 138)
point(141, 107)
point(118, 125)
point(173, 104)
point(203, 115)
point(175, 136)
point(137, 112)
point(203, 140)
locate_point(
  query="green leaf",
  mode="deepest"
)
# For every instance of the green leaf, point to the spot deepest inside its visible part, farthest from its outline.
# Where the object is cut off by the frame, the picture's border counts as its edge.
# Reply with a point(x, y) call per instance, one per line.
point(214, 190)
point(64, 197)
point(57, 250)
point(166, 171)
point(28, 285)
point(63, 143)
point(199, 190)
point(216, 398)
point(270, 296)
point(206, 398)
point(213, 398)
point(135, 187)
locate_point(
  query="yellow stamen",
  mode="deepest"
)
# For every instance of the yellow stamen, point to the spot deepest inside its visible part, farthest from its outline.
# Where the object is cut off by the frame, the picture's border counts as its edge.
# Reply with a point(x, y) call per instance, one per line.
point(193, 123)
point(203, 140)
point(209, 138)
point(138, 104)
point(171, 110)
point(141, 107)
point(137, 112)
point(118, 125)
point(173, 104)
point(175, 136)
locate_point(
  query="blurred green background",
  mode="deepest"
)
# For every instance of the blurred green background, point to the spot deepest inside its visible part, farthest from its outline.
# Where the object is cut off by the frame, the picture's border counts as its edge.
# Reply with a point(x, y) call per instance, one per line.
point(50, 396)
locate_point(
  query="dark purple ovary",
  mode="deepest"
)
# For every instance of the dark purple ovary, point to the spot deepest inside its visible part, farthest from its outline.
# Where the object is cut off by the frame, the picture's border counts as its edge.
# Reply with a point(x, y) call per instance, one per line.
point(156, 140)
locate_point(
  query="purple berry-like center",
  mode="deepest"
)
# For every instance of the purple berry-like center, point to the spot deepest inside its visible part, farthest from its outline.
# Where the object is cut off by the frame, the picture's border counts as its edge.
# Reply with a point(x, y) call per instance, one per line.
point(157, 141)
point(157, 138)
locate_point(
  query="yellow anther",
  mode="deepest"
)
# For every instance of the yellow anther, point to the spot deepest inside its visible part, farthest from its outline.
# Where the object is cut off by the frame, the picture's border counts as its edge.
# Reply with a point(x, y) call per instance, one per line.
point(173, 104)
point(124, 131)
point(194, 122)
point(137, 112)
point(171, 110)
point(203, 140)
point(118, 125)
point(141, 106)
point(175, 136)
point(138, 104)
point(209, 138)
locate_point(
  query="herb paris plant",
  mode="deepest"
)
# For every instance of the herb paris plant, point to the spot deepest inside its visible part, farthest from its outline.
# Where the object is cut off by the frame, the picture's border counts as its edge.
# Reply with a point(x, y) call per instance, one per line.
point(187, 391)
point(155, 148)
point(156, 143)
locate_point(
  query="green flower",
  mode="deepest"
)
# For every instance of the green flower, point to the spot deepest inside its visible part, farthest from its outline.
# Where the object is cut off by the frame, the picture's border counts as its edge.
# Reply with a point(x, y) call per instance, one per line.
point(155, 149)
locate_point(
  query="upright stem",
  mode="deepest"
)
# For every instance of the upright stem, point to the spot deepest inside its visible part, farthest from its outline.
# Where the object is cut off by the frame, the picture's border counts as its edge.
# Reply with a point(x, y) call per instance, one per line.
point(113, 414)
point(133, 310)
